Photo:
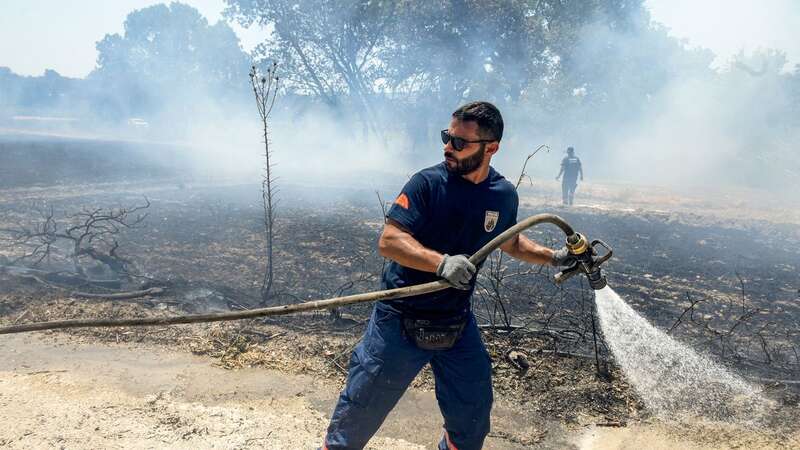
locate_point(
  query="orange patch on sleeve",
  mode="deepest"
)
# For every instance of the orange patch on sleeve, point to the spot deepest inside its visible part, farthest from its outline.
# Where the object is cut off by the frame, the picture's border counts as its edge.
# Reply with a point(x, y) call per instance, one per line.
point(402, 200)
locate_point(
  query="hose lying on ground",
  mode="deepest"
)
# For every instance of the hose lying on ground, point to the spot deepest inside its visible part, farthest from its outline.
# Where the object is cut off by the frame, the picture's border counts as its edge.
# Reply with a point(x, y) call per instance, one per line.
point(389, 294)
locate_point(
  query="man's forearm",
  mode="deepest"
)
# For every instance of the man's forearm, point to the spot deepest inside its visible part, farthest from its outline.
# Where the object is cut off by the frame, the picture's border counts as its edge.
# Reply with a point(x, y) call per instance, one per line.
point(408, 252)
point(527, 250)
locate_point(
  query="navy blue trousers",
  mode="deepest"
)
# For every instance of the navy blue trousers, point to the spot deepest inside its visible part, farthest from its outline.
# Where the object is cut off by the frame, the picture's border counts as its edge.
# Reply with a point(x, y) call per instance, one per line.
point(385, 362)
point(568, 186)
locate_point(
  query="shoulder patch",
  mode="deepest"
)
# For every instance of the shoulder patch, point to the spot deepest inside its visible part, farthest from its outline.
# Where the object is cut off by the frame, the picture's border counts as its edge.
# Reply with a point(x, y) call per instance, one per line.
point(402, 200)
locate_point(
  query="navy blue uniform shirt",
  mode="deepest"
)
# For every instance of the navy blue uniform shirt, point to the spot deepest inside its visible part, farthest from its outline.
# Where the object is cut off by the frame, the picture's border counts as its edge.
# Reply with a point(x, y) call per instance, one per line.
point(451, 215)
point(571, 166)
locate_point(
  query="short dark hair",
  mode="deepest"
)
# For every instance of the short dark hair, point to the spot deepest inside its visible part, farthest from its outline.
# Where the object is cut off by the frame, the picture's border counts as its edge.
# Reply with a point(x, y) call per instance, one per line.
point(570, 150)
point(488, 117)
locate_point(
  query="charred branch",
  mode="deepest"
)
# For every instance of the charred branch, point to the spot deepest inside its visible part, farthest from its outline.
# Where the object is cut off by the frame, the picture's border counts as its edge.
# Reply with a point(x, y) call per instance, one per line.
point(89, 235)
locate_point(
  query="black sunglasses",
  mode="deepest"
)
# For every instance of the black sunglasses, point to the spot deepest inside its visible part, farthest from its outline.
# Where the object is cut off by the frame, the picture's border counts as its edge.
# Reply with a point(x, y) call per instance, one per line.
point(460, 143)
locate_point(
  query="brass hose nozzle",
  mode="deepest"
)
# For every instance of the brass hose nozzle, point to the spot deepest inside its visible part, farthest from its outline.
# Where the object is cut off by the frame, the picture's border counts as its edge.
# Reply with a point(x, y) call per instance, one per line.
point(577, 244)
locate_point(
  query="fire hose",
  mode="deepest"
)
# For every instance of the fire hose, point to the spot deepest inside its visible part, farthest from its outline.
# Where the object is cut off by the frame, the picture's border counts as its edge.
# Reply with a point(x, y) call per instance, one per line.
point(587, 262)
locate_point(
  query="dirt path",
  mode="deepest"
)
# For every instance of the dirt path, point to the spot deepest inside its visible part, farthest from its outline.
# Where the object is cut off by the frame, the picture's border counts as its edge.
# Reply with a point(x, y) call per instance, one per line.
point(56, 393)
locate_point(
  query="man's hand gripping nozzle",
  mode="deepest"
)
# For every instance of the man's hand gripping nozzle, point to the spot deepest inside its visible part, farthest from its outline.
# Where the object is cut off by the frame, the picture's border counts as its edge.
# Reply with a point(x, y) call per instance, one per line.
point(582, 257)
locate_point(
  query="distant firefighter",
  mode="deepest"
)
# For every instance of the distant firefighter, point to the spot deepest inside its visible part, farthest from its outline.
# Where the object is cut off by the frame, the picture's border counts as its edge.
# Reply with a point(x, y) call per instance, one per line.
point(570, 168)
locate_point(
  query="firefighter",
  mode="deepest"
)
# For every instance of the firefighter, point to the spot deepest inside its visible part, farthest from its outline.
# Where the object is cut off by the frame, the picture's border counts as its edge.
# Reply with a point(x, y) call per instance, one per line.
point(570, 168)
point(442, 214)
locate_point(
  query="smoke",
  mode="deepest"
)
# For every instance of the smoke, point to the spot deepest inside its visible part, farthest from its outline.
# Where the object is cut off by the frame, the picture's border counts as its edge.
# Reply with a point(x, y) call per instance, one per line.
point(312, 145)
point(646, 109)
point(703, 131)
point(636, 103)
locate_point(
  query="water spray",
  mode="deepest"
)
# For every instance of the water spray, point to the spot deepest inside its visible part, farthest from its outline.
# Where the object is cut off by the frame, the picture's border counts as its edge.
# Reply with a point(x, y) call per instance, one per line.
point(674, 381)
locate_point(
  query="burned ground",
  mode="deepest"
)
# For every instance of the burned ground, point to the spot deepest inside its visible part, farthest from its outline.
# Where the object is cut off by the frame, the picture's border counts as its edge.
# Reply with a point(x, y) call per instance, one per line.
point(204, 244)
point(28, 159)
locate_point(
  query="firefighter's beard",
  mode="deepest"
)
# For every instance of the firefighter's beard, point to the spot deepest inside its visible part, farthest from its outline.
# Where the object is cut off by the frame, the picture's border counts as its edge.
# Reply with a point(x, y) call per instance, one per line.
point(467, 165)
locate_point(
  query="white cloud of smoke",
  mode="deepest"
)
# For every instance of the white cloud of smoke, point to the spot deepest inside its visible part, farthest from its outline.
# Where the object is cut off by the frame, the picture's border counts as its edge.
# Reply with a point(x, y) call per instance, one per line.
point(677, 124)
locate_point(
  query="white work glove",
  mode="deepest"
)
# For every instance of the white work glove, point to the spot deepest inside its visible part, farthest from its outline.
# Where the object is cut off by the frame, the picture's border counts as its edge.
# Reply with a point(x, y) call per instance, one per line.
point(456, 270)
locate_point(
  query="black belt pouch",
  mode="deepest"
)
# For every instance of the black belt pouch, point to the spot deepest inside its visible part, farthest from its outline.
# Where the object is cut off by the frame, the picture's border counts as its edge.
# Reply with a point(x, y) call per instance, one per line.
point(439, 334)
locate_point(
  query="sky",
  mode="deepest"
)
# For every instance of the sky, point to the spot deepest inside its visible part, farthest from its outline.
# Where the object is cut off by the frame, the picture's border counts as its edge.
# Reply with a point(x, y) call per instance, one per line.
point(727, 26)
point(61, 35)
point(52, 34)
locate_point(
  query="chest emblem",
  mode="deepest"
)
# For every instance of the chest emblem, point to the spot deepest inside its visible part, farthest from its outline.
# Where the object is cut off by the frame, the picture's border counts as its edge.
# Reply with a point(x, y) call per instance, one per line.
point(490, 221)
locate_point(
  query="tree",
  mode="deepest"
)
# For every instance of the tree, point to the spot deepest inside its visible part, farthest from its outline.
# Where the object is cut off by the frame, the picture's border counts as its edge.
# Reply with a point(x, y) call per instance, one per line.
point(447, 51)
point(46, 95)
point(265, 91)
point(412, 59)
point(327, 49)
point(169, 56)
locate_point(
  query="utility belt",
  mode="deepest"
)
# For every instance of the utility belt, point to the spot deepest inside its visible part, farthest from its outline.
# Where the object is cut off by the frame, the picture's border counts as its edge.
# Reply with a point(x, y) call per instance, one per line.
point(435, 334)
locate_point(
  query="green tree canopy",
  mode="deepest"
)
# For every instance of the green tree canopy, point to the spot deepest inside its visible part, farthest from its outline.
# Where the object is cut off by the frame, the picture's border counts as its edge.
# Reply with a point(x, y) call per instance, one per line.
point(169, 52)
point(411, 55)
